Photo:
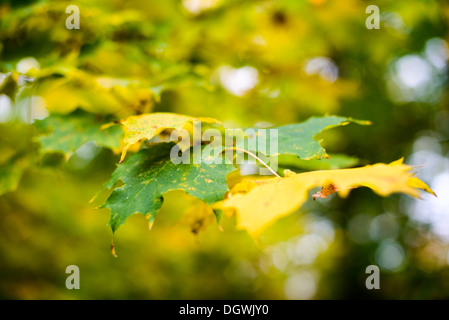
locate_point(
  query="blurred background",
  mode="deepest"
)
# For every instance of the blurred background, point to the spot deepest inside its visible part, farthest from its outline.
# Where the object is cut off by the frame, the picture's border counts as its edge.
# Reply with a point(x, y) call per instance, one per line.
point(245, 63)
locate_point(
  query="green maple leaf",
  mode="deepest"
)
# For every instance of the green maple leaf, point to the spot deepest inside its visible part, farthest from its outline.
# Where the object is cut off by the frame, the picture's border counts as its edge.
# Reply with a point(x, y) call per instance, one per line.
point(150, 173)
point(298, 138)
point(66, 133)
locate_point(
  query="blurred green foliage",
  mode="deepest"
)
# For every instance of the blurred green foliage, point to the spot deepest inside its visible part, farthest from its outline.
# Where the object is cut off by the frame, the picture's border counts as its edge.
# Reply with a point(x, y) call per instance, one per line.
point(246, 63)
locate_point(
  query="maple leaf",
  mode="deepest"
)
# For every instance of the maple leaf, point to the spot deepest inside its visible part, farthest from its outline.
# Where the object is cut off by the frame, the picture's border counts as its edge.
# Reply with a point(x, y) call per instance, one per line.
point(66, 133)
point(298, 139)
point(66, 89)
point(146, 126)
point(150, 173)
point(258, 203)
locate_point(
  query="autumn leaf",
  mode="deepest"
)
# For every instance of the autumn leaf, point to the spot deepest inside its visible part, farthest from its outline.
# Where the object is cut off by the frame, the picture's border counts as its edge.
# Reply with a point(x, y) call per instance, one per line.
point(150, 173)
point(298, 139)
point(66, 89)
point(260, 202)
point(147, 126)
point(66, 133)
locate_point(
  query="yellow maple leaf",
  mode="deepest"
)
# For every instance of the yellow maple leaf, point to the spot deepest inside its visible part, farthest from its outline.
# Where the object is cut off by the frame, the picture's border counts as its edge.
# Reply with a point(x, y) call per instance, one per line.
point(258, 203)
point(146, 126)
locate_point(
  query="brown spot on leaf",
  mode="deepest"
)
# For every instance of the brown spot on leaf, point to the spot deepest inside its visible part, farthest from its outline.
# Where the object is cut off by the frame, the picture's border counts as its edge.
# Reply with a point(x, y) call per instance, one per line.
point(326, 190)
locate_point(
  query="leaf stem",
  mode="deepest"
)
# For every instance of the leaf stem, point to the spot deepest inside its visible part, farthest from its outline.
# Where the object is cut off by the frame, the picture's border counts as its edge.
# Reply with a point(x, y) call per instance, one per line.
point(254, 156)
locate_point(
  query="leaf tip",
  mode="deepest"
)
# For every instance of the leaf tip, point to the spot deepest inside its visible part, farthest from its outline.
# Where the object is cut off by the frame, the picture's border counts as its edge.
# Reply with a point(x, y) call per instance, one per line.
point(397, 162)
point(114, 254)
point(124, 151)
point(417, 183)
point(150, 221)
point(106, 125)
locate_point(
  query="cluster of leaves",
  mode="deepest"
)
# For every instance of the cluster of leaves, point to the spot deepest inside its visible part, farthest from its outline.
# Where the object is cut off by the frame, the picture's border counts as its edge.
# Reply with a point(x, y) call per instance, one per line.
point(141, 180)
point(120, 63)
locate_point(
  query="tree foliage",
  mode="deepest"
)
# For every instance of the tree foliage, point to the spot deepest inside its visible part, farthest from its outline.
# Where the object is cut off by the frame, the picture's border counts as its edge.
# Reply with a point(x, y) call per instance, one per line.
point(89, 114)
